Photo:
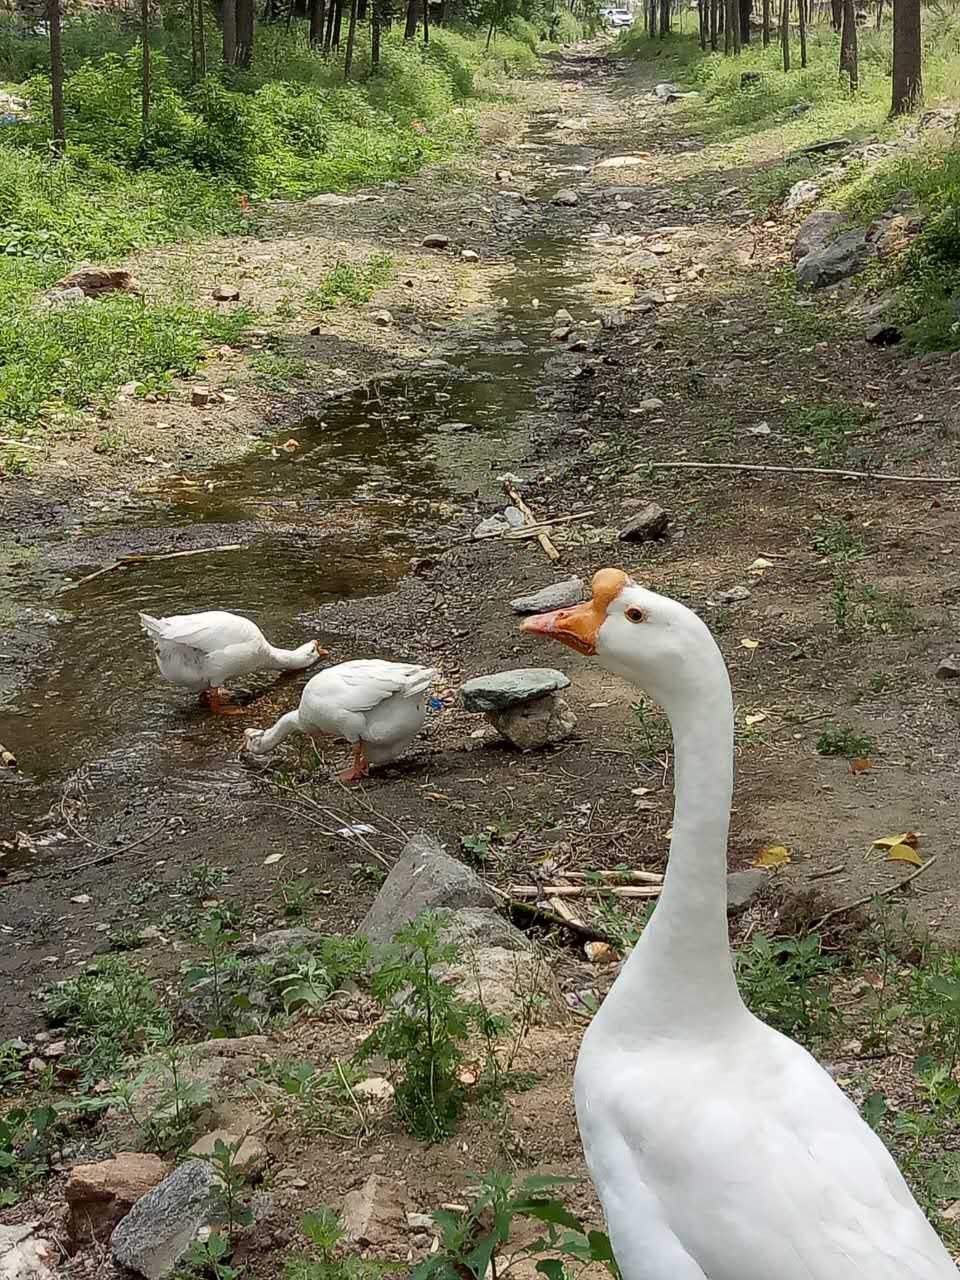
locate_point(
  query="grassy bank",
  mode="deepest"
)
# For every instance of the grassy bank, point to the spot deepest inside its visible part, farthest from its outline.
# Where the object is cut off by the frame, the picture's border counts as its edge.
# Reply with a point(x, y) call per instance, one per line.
point(288, 127)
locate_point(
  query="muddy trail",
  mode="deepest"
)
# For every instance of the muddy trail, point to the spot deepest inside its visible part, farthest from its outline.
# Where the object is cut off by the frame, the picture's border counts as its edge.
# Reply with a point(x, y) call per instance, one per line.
point(684, 345)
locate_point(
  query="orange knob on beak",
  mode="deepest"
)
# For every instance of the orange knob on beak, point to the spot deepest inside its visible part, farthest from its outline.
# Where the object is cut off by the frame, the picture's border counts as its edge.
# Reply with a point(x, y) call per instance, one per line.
point(579, 626)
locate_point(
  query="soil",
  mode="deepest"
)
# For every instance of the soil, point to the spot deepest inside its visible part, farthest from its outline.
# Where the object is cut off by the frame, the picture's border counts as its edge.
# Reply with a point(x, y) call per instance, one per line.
point(121, 791)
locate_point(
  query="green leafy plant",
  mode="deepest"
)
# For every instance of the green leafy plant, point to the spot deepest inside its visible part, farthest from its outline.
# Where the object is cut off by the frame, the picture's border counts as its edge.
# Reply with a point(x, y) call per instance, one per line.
point(24, 1138)
point(352, 283)
point(324, 1259)
point(826, 429)
point(175, 1097)
point(229, 1190)
point(326, 1100)
point(211, 1258)
point(650, 731)
point(784, 982)
point(844, 742)
point(838, 542)
point(934, 998)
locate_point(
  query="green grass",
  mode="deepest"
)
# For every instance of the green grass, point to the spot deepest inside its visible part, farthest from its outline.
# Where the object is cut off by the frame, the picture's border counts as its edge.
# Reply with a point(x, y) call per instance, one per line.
point(826, 429)
point(352, 283)
point(844, 742)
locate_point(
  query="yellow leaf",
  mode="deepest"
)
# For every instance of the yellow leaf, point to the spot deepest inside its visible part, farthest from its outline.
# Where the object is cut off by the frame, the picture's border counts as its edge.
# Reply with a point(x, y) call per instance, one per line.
point(756, 719)
point(889, 842)
point(759, 565)
point(861, 765)
point(749, 644)
point(903, 853)
point(774, 855)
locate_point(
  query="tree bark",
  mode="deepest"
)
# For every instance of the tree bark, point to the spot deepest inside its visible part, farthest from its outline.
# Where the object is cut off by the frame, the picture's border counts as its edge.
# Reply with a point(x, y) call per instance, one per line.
point(56, 75)
point(375, 36)
point(714, 18)
point(351, 41)
point(727, 28)
point(664, 18)
point(849, 61)
point(145, 77)
point(785, 32)
point(316, 22)
point(245, 21)
point(802, 14)
point(328, 34)
point(907, 57)
point(702, 23)
point(426, 21)
point(879, 14)
point(766, 24)
point(229, 32)
point(337, 23)
point(410, 30)
point(746, 13)
point(201, 39)
point(836, 14)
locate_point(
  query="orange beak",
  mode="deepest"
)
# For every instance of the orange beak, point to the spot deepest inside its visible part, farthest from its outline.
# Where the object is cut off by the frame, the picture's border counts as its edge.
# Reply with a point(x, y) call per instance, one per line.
point(321, 651)
point(579, 626)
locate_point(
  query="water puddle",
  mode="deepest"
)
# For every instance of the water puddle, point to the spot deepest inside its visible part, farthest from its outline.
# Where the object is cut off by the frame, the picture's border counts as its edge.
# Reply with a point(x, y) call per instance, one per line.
point(338, 517)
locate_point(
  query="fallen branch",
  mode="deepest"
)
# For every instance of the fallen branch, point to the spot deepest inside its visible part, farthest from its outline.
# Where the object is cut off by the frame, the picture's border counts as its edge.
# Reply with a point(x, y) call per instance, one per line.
point(125, 561)
point(529, 518)
point(528, 530)
point(643, 877)
point(106, 855)
point(21, 444)
point(810, 471)
point(580, 890)
point(535, 912)
point(869, 897)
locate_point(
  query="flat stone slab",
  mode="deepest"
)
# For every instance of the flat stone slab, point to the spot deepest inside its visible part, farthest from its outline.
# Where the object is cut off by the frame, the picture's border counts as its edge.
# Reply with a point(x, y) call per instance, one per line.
point(558, 595)
point(506, 689)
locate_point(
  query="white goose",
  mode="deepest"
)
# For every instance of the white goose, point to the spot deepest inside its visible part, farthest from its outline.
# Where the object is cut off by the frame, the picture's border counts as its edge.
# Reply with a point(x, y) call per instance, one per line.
point(720, 1149)
point(202, 651)
point(378, 706)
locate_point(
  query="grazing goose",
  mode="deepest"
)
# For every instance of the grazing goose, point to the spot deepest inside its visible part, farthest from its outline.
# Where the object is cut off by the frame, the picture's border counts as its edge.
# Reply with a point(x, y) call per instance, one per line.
point(378, 706)
point(202, 651)
point(720, 1149)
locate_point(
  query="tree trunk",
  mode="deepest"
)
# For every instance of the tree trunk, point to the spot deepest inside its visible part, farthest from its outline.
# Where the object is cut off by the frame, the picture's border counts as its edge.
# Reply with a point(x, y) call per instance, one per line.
point(229, 32)
point(56, 75)
point(785, 32)
point(907, 57)
point(410, 30)
point(426, 21)
point(337, 23)
point(836, 14)
point(145, 78)
point(245, 21)
point(316, 22)
point(702, 23)
point(328, 34)
point(375, 36)
point(746, 13)
point(714, 35)
point(879, 14)
point(664, 18)
point(351, 41)
point(766, 24)
point(201, 39)
point(848, 47)
point(802, 14)
point(727, 28)
point(193, 44)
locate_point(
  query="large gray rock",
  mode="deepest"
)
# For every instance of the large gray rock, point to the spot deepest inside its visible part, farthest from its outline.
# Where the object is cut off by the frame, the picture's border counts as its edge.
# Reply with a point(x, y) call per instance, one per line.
point(801, 193)
point(743, 888)
point(100, 1195)
point(648, 524)
point(532, 725)
point(154, 1236)
point(25, 1256)
point(816, 232)
point(849, 254)
point(471, 927)
point(424, 878)
point(558, 595)
point(505, 689)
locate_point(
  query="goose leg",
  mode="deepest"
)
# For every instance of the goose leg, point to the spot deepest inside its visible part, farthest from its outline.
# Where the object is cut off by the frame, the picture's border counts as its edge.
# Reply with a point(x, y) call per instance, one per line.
point(360, 767)
point(215, 700)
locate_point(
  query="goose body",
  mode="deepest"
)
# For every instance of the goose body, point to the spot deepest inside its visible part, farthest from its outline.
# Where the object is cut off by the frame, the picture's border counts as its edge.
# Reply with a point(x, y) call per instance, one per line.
point(720, 1149)
point(378, 706)
point(202, 651)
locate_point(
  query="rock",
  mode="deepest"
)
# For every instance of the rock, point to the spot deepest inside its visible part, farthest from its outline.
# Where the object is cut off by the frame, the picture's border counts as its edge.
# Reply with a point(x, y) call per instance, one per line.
point(506, 978)
point(949, 667)
point(63, 297)
point(491, 525)
point(734, 595)
point(436, 362)
point(640, 260)
point(278, 942)
point(646, 525)
point(154, 1236)
point(425, 1222)
point(375, 1088)
point(749, 78)
point(800, 109)
point(505, 689)
point(561, 333)
point(332, 198)
point(563, 316)
point(580, 344)
point(743, 888)
point(621, 162)
point(383, 318)
point(815, 232)
point(99, 1195)
point(666, 91)
point(649, 298)
point(373, 1214)
point(513, 517)
point(849, 254)
point(249, 1157)
point(225, 293)
point(535, 724)
point(423, 878)
point(469, 255)
point(650, 405)
point(503, 175)
point(883, 334)
point(615, 318)
point(96, 281)
point(482, 927)
point(454, 428)
point(201, 397)
point(435, 241)
point(801, 193)
point(557, 595)
point(566, 198)
point(25, 1256)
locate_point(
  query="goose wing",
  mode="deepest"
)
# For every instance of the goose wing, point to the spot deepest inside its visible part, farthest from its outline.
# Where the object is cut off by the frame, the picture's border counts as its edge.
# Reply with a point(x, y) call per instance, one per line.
point(364, 684)
point(208, 632)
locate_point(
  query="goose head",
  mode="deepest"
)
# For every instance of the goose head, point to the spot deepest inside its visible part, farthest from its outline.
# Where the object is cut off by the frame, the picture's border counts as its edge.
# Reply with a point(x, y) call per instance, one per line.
point(654, 642)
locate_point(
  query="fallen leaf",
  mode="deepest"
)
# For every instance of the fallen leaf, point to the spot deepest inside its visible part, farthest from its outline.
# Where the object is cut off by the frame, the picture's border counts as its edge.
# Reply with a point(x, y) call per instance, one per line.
point(271, 859)
point(290, 446)
point(81, 899)
point(755, 719)
point(749, 644)
point(904, 853)
point(861, 765)
point(759, 565)
point(600, 953)
point(668, 834)
point(774, 855)
point(889, 842)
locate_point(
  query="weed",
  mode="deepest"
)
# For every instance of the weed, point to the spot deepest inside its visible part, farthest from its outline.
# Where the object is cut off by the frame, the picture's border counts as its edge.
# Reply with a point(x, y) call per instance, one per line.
point(624, 926)
point(110, 1011)
point(11, 1063)
point(935, 999)
point(783, 981)
point(295, 896)
point(24, 1139)
point(175, 1099)
point(213, 974)
point(881, 682)
point(840, 602)
point(887, 1010)
point(650, 732)
point(228, 1192)
point(323, 1259)
point(836, 541)
point(326, 1100)
point(826, 430)
point(887, 612)
point(276, 372)
point(844, 742)
point(201, 881)
point(352, 284)
point(210, 1258)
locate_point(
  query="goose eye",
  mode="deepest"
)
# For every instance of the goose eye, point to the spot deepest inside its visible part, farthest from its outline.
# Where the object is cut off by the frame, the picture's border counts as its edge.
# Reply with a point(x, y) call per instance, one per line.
point(634, 615)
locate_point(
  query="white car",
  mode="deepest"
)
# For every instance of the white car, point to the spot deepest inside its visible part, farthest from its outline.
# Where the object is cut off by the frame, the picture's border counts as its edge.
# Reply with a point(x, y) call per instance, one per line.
point(620, 18)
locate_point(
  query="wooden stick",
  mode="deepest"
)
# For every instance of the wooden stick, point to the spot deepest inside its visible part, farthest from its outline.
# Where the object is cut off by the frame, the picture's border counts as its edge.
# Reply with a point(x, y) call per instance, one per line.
point(643, 877)
point(588, 932)
point(810, 471)
point(580, 891)
point(529, 530)
point(869, 897)
point(560, 907)
point(530, 519)
point(134, 558)
point(21, 444)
